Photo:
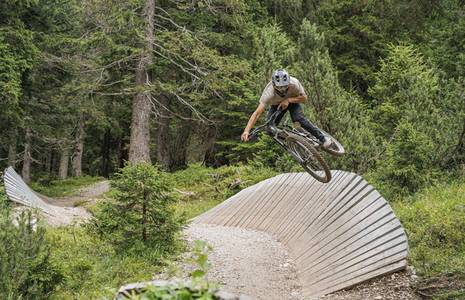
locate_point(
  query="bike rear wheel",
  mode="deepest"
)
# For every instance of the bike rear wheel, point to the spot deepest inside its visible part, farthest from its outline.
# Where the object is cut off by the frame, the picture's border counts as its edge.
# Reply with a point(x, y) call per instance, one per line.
point(308, 157)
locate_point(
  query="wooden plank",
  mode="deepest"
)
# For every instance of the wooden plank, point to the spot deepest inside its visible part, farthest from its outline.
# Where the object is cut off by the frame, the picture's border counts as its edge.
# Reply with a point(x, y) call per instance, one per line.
point(324, 205)
point(286, 227)
point(285, 188)
point(259, 201)
point(341, 225)
point(339, 234)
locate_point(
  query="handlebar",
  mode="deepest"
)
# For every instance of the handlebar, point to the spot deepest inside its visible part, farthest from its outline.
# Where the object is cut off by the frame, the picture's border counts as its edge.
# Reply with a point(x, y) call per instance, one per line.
point(269, 123)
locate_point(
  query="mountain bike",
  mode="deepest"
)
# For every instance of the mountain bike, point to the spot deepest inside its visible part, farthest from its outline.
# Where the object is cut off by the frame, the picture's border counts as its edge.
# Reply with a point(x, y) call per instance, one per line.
point(302, 146)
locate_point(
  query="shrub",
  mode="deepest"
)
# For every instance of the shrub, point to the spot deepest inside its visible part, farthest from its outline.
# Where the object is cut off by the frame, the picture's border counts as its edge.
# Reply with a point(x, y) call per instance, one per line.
point(142, 211)
point(435, 223)
point(408, 164)
point(26, 269)
point(197, 288)
point(207, 187)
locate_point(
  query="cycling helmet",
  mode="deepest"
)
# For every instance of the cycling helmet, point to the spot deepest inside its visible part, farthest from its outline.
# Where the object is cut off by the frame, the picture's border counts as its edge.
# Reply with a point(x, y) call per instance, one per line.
point(281, 80)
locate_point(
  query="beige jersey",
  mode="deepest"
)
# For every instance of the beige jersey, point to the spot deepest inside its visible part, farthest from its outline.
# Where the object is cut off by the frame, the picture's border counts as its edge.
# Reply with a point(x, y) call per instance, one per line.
point(270, 97)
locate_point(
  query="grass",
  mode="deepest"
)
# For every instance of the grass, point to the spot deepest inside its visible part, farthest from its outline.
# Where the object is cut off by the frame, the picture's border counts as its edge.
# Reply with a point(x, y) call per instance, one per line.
point(93, 268)
point(200, 188)
point(434, 220)
point(62, 188)
point(435, 223)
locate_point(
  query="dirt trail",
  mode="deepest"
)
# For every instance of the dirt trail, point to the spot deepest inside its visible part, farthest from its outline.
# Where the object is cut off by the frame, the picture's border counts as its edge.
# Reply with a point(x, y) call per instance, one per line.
point(83, 194)
point(248, 262)
point(65, 209)
point(255, 264)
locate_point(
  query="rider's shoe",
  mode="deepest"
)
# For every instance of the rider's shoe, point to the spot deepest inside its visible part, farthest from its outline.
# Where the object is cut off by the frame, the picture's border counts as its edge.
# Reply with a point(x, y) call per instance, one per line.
point(326, 142)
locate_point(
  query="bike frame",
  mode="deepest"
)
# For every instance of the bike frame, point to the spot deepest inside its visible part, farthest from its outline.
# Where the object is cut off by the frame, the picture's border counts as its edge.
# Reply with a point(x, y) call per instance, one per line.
point(279, 134)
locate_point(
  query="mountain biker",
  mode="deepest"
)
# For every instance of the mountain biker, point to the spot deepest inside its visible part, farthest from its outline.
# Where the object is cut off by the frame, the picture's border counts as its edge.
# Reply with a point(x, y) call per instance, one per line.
point(285, 93)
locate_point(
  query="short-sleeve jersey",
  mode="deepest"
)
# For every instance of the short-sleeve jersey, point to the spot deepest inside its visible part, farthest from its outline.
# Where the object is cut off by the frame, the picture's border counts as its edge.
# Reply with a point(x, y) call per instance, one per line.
point(270, 97)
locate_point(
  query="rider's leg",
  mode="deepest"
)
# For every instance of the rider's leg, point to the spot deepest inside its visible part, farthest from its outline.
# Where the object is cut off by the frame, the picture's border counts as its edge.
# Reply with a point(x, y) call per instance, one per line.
point(273, 109)
point(297, 115)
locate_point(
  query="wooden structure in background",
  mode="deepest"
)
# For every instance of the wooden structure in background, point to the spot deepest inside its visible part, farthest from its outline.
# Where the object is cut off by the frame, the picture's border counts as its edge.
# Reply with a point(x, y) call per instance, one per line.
point(339, 234)
point(18, 191)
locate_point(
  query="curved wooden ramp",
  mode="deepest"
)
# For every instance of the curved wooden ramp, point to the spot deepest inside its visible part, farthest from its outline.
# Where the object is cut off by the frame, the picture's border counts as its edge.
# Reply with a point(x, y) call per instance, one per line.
point(339, 234)
point(18, 191)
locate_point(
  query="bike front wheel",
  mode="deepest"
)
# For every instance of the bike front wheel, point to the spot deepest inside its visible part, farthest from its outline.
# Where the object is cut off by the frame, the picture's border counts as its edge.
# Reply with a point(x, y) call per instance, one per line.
point(308, 157)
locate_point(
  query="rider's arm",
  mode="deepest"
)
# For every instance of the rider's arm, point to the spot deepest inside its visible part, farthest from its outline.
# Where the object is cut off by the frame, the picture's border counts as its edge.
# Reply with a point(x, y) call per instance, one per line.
point(253, 119)
point(298, 99)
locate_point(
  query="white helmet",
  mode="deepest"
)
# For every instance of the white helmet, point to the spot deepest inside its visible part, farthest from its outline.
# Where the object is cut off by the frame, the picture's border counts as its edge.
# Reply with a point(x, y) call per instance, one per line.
point(281, 80)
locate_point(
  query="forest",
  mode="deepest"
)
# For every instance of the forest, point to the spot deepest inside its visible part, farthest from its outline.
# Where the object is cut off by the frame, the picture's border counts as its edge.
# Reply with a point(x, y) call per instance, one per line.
point(88, 87)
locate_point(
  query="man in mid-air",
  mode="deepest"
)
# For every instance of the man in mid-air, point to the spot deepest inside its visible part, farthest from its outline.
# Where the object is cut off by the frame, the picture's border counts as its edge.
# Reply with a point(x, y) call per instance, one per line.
point(285, 93)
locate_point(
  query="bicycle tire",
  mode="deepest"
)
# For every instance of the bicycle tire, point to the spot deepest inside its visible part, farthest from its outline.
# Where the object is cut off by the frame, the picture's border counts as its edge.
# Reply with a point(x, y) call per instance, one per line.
point(314, 164)
point(335, 148)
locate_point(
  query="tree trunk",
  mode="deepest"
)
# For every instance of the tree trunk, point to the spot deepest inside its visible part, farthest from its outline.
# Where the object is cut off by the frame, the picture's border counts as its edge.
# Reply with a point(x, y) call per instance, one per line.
point(139, 147)
point(163, 134)
point(105, 152)
point(121, 151)
point(64, 162)
point(179, 149)
point(12, 147)
point(79, 148)
point(48, 162)
point(209, 159)
point(27, 158)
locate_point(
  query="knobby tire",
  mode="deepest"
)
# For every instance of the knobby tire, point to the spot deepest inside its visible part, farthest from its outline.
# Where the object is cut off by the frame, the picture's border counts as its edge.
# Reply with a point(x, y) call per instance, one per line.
point(296, 143)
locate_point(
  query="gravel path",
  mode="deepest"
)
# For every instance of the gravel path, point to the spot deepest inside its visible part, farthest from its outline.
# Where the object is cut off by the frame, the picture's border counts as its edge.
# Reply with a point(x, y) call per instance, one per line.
point(390, 287)
point(248, 262)
point(255, 264)
point(84, 194)
point(67, 210)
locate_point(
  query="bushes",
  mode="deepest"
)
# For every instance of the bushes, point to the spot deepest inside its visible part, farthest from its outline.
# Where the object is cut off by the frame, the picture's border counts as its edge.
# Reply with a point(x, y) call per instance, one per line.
point(435, 223)
point(197, 287)
point(142, 210)
point(26, 270)
point(200, 188)
point(93, 268)
point(408, 165)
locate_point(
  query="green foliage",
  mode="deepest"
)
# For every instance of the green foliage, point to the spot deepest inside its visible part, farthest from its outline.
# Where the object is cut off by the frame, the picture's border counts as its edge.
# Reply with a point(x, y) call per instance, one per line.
point(27, 269)
point(142, 210)
point(356, 38)
point(273, 50)
point(200, 188)
point(267, 153)
point(93, 268)
point(91, 264)
point(452, 123)
point(443, 41)
point(416, 125)
point(408, 163)
point(197, 288)
point(342, 114)
point(435, 223)
point(406, 88)
point(358, 32)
